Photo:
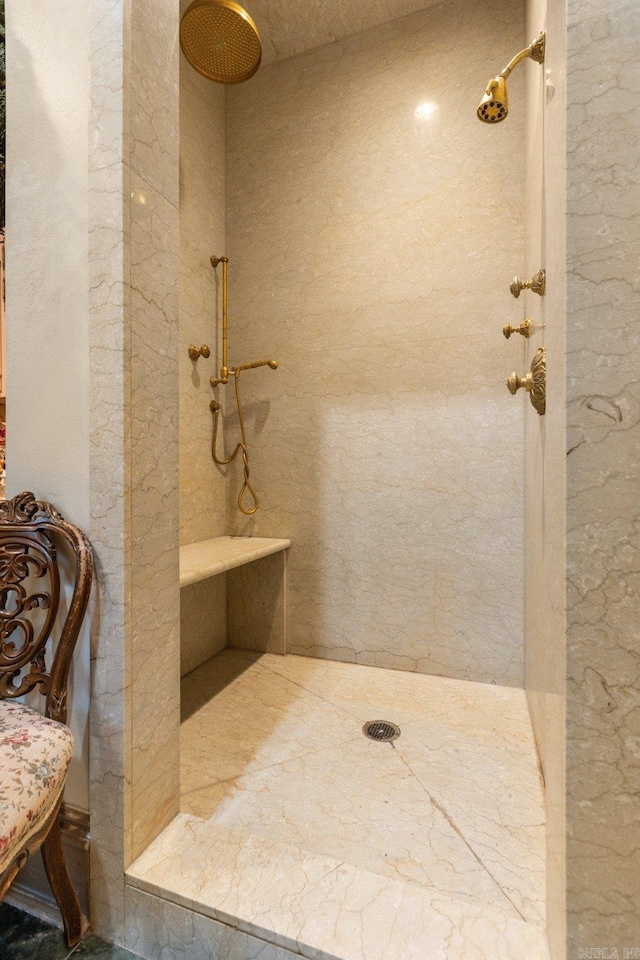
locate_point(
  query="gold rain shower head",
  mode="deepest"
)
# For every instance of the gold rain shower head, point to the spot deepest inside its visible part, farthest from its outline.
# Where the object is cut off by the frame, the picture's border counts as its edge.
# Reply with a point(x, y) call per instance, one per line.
point(494, 106)
point(220, 40)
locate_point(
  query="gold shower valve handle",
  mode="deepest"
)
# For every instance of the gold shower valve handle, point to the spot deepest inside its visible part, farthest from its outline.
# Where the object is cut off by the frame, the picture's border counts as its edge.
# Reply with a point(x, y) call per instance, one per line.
point(537, 285)
point(535, 382)
point(524, 329)
point(514, 383)
point(196, 352)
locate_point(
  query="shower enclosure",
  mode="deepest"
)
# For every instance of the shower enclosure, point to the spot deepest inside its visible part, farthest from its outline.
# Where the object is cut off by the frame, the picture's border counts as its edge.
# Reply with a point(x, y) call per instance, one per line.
point(385, 457)
point(374, 226)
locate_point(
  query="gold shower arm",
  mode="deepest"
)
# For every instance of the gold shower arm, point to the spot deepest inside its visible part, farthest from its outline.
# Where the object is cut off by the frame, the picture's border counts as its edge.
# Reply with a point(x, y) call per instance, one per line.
point(252, 366)
point(494, 106)
point(534, 50)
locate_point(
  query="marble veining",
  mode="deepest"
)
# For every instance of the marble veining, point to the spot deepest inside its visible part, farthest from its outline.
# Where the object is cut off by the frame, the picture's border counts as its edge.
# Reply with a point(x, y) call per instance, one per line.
point(603, 475)
point(25, 937)
point(202, 234)
point(133, 255)
point(284, 34)
point(367, 258)
point(257, 607)
point(203, 622)
point(208, 558)
point(158, 928)
point(545, 440)
point(316, 907)
point(109, 425)
point(454, 807)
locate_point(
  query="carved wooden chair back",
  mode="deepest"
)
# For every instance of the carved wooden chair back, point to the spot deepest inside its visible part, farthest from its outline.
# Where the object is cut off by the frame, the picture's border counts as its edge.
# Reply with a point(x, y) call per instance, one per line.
point(30, 600)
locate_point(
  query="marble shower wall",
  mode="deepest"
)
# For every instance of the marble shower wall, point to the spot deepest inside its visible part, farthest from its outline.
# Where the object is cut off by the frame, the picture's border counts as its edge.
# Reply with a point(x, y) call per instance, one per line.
point(371, 254)
point(153, 405)
point(133, 257)
point(202, 234)
point(109, 296)
point(603, 475)
point(545, 439)
point(582, 611)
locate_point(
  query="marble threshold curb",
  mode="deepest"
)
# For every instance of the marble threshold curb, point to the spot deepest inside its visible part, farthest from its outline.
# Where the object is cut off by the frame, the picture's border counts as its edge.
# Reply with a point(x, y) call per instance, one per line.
point(317, 907)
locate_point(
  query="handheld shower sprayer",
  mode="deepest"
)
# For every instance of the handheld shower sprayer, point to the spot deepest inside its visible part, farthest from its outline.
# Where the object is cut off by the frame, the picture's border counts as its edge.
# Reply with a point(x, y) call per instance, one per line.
point(223, 379)
point(494, 105)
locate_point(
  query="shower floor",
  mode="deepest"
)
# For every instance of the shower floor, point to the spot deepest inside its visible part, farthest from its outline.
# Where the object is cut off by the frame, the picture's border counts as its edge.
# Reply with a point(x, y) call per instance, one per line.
point(448, 819)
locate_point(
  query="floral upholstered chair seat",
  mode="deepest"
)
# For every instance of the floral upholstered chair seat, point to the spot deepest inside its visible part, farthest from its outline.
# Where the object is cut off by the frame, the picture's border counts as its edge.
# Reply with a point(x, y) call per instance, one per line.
point(35, 754)
point(38, 635)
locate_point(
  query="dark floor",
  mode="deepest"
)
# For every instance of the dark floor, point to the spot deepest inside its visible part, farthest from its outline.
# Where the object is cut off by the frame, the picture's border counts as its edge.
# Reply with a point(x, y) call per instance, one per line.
point(23, 937)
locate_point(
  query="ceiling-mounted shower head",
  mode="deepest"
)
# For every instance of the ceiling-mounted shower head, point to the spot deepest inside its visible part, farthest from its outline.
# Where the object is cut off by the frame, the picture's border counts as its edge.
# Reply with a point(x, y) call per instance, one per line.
point(220, 40)
point(494, 106)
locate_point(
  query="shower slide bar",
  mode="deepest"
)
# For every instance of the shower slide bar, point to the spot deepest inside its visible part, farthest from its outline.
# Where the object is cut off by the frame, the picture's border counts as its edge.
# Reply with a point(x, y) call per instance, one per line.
point(223, 380)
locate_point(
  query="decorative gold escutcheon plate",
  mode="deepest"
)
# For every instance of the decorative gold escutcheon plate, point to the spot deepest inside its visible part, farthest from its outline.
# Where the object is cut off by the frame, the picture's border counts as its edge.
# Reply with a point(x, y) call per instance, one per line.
point(535, 382)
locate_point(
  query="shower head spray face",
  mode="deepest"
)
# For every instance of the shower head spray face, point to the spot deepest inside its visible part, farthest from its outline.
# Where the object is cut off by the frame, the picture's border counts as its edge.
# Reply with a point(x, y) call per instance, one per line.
point(220, 40)
point(494, 106)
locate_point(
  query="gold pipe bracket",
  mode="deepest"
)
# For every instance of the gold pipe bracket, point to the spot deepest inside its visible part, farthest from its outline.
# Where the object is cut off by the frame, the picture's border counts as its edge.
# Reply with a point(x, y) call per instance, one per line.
point(524, 329)
point(196, 352)
point(535, 382)
point(537, 284)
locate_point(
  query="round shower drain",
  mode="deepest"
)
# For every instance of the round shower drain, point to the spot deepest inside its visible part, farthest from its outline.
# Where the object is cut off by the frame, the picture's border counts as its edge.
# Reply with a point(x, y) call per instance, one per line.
point(381, 730)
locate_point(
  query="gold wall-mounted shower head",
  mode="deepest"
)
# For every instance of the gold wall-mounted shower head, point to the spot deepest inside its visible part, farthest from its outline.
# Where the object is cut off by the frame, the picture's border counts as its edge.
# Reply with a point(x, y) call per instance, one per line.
point(494, 106)
point(220, 40)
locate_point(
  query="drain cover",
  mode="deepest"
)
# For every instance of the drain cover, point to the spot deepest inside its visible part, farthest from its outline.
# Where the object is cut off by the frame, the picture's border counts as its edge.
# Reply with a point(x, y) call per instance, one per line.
point(381, 730)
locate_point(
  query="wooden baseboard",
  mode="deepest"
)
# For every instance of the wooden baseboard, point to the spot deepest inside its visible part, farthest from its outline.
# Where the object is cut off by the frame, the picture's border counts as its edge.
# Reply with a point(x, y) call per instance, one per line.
point(30, 891)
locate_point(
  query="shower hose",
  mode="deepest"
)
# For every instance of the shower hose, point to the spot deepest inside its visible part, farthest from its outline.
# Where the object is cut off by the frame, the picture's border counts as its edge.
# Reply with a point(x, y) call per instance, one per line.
point(242, 446)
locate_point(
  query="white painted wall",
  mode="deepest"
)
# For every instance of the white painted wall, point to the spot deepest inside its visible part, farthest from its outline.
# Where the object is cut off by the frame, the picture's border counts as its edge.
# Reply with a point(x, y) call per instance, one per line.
point(47, 283)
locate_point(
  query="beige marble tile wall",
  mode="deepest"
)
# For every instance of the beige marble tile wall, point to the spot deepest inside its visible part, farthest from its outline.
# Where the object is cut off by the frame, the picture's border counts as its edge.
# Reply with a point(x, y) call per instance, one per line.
point(545, 445)
point(202, 233)
point(257, 605)
point(203, 621)
point(155, 592)
point(133, 214)
point(371, 253)
point(603, 475)
point(110, 803)
point(285, 35)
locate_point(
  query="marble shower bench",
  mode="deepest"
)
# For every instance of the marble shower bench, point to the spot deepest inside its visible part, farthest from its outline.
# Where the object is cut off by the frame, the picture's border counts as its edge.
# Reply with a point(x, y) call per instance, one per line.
point(232, 593)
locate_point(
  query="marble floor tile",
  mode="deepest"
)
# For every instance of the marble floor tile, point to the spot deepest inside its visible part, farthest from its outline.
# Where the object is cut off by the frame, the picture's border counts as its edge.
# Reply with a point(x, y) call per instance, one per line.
point(317, 907)
point(492, 792)
point(357, 802)
point(273, 745)
point(278, 720)
point(24, 937)
point(94, 948)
